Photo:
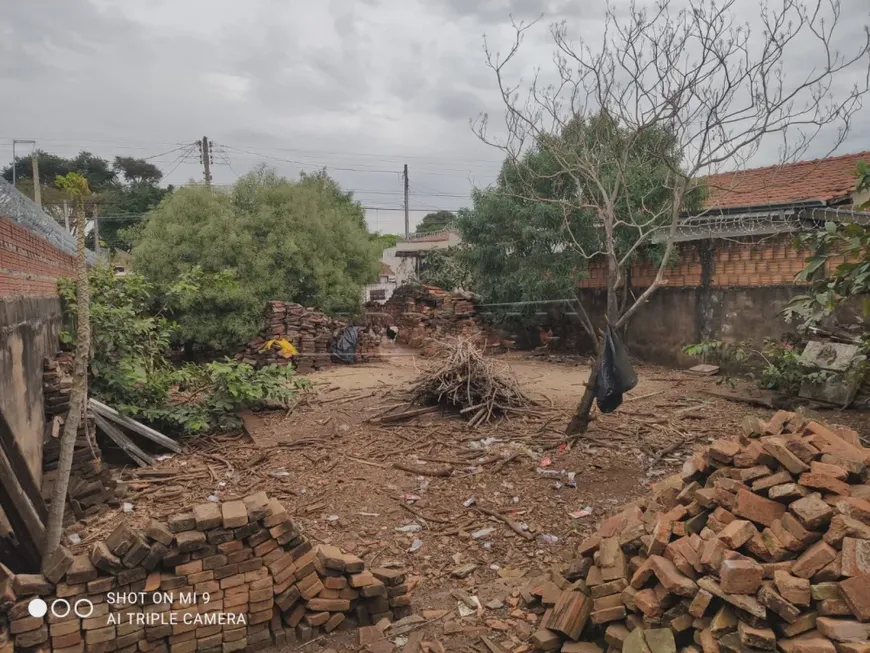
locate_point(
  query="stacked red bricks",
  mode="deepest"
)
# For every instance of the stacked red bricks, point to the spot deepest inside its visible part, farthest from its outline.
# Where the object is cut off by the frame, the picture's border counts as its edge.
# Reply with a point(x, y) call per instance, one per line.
point(761, 543)
point(311, 332)
point(220, 578)
point(91, 485)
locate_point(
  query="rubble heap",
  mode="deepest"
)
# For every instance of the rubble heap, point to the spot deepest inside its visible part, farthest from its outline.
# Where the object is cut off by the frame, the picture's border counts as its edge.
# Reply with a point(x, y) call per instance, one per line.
point(91, 484)
point(425, 314)
point(761, 543)
point(220, 578)
point(311, 332)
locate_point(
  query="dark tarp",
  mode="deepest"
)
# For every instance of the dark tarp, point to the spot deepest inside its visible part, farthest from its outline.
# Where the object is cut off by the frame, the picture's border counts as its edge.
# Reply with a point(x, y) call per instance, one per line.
point(616, 375)
point(344, 349)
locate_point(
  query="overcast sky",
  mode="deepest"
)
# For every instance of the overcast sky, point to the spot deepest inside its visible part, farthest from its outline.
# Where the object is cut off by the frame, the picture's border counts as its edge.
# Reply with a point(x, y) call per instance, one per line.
point(361, 86)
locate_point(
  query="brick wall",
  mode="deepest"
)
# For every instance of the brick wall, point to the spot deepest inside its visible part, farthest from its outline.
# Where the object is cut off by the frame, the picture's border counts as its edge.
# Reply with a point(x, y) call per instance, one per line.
point(29, 264)
point(769, 262)
point(30, 323)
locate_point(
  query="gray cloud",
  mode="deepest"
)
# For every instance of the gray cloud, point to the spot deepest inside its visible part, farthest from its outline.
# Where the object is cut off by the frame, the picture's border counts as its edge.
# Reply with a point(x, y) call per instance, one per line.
point(359, 86)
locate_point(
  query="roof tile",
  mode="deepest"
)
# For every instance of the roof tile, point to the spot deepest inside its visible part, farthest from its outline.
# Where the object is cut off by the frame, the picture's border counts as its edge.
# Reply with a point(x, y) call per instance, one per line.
point(819, 179)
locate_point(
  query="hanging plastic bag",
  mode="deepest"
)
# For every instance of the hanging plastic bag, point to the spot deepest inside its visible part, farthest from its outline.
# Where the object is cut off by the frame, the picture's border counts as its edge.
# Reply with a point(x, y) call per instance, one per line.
point(616, 376)
point(344, 349)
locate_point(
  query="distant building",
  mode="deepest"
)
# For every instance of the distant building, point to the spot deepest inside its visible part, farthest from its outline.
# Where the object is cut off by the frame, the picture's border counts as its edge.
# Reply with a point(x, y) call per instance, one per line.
point(382, 290)
point(408, 256)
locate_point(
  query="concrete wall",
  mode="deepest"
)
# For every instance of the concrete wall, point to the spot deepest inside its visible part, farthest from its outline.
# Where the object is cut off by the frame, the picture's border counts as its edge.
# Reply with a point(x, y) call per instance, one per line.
point(676, 317)
point(29, 329)
point(719, 290)
point(30, 322)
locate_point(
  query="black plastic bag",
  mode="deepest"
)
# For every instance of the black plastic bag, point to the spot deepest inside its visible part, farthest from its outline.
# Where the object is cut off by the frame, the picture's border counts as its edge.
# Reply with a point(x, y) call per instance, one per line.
point(616, 376)
point(344, 349)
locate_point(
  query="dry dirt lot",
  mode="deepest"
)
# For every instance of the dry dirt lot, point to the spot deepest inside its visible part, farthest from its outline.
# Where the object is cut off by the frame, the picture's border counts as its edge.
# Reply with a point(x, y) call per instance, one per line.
point(334, 466)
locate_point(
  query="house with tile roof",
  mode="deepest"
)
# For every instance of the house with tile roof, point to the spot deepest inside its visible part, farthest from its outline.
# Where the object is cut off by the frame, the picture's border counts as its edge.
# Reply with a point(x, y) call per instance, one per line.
point(777, 199)
point(737, 259)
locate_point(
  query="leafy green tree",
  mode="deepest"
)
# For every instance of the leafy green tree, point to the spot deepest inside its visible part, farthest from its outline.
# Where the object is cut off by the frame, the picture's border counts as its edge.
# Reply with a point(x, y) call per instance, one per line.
point(137, 171)
point(863, 185)
point(525, 242)
point(830, 284)
point(434, 222)
point(51, 167)
point(385, 241)
point(447, 269)
point(95, 169)
point(130, 368)
point(302, 241)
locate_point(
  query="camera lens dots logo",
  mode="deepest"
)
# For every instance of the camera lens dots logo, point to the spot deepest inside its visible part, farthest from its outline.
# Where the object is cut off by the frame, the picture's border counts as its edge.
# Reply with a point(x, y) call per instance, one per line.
point(82, 608)
point(37, 608)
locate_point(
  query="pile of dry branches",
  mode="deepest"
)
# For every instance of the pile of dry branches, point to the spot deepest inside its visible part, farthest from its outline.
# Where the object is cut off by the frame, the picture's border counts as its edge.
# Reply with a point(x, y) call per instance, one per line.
point(461, 376)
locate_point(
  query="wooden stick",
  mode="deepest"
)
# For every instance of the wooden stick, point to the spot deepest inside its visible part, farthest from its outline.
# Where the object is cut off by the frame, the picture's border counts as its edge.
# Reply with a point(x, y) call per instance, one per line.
point(444, 472)
point(388, 419)
point(419, 514)
point(513, 525)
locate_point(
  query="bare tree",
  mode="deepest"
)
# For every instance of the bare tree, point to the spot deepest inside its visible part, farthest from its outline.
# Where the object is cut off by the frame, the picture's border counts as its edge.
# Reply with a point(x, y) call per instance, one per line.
point(77, 185)
point(712, 90)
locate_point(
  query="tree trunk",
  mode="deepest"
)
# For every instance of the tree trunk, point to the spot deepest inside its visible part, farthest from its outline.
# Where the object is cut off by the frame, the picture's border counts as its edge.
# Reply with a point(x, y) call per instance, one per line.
point(77, 399)
point(580, 421)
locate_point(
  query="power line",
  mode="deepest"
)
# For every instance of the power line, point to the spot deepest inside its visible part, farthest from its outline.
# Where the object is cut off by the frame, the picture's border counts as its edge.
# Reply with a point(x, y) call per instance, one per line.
point(303, 163)
point(145, 144)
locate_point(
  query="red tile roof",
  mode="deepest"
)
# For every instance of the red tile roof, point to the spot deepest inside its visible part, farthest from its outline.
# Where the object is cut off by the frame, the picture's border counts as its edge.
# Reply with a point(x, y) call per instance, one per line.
point(820, 179)
point(386, 270)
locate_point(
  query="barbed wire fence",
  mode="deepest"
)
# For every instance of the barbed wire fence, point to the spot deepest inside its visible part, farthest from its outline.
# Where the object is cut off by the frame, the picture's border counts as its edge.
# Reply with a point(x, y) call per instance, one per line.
point(19, 208)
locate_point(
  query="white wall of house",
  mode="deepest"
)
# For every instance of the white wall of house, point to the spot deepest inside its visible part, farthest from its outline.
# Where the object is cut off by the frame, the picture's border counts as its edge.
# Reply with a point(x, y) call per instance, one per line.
point(381, 291)
point(404, 266)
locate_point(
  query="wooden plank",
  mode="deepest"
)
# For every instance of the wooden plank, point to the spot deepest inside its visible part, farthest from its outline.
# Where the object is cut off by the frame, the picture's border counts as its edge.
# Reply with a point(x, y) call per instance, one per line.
point(19, 465)
point(257, 430)
point(139, 457)
point(133, 425)
point(28, 529)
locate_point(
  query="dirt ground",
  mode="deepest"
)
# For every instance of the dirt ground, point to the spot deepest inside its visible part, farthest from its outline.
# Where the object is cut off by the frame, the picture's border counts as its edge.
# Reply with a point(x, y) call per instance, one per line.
point(330, 462)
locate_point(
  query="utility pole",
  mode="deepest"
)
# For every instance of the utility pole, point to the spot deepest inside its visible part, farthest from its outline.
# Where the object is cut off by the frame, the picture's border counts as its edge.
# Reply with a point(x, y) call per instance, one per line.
point(96, 229)
point(37, 191)
point(205, 156)
point(16, 141)
point(66, 216)
point(407, 228)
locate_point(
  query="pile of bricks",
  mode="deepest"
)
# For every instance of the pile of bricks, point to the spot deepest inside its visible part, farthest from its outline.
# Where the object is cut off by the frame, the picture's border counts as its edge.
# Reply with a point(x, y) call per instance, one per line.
point(312, 334)
point(91, 484)
point(761, 543)
point(56, 384)
point(220, 578)
point(425, 314)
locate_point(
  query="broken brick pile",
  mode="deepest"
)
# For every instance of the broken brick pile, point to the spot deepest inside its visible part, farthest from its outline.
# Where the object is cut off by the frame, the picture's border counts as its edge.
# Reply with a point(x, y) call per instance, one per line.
point(91, 484)
point(761, 543)
point(223, 577)
point(311, 332)
point(425, 314)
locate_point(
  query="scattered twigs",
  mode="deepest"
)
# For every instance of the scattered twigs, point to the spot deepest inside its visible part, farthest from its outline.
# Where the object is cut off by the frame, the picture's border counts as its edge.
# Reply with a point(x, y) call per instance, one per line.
point(419, 514)
point(461, 376)
point(515, 527)
point(408, 414)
